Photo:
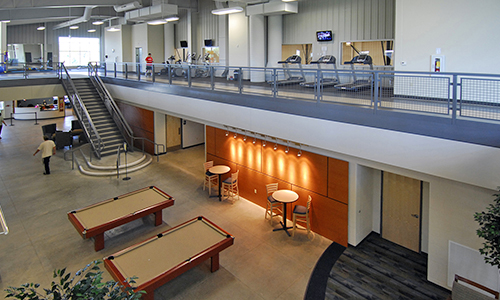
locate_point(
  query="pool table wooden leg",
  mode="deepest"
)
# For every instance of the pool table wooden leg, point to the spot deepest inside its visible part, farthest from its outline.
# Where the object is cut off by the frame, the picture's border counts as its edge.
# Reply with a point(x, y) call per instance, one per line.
point(99, 242)
point(158, 218)
point(215, 263)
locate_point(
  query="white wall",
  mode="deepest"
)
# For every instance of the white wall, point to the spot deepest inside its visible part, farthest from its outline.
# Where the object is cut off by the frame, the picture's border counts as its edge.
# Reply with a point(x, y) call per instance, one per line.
point(464, 30)
point(156, 43)
point(238, 40)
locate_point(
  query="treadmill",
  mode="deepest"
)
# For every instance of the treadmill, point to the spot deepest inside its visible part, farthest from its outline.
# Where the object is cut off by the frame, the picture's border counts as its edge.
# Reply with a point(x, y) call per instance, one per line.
point(325, 82)
point(289, 78)
point(358, 84)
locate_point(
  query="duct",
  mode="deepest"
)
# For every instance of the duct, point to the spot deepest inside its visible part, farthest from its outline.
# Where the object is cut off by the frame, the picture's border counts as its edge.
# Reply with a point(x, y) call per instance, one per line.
point(85, 18)
point(273, 8)
point(151, 13)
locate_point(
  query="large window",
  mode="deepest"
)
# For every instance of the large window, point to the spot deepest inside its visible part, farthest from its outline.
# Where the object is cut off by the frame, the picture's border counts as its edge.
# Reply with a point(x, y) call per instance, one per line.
point(75, 51)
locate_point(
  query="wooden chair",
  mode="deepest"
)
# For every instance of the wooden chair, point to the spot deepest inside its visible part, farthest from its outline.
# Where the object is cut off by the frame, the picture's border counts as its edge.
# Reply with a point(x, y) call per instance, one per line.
point(465, 291)
point(272, 204)
point(210, 179)
point(230, 186)
point(301, 214)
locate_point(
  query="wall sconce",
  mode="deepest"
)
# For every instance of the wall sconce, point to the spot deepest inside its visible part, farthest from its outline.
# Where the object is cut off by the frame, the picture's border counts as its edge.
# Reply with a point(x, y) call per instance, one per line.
point(275, 146)
point(254, 140)
point(265, 141)
point(227, 133)
point(287, 146)
point(235, 134)
point(300, 151)
point(245, 137)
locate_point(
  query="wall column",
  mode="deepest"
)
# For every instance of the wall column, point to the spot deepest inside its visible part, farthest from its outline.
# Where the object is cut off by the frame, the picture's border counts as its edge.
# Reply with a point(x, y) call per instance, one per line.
point(274, 40)
point(257, 47)
point(169, 40)
point(223, 41)
point(3, 39)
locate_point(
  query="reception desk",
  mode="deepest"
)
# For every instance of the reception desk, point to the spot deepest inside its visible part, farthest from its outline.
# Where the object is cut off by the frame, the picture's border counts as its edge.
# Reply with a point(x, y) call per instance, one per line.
point(28, 113)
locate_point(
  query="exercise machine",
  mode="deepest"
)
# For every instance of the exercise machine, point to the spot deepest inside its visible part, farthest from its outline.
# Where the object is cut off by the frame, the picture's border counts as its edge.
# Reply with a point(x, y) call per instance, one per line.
point(358, 84)
point(325, 82)
point(289, 78)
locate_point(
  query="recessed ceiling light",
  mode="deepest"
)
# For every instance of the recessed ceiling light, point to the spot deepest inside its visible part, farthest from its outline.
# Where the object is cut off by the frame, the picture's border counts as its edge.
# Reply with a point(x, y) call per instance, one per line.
point(73, 27)
point(5, 21)
point(97, 23)
point(40, 28)
point(229, 10)
point(91, 30)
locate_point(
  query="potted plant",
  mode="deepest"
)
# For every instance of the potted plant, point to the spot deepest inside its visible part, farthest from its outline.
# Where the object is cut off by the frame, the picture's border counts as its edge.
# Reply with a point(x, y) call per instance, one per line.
point(489, 230)
point(85, 284)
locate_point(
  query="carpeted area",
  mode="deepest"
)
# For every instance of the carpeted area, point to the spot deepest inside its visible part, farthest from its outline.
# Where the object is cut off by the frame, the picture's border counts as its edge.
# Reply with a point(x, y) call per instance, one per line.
point(379, 269)
point(375, 269)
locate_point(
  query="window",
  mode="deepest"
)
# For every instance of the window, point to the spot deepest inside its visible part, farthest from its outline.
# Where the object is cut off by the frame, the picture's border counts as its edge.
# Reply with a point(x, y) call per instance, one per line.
point(75, 51)
point(380, 51)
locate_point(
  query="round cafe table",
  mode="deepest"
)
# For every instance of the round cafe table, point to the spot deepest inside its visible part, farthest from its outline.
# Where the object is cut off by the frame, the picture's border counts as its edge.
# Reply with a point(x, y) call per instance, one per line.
point(219, 170)
point(285, 197)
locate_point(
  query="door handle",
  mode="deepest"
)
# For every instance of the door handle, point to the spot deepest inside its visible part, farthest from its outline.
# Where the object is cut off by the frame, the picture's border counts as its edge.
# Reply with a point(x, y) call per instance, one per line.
point(414, 215)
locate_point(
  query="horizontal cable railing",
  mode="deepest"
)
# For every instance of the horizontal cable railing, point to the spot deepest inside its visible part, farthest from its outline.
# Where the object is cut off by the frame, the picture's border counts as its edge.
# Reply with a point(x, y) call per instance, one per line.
point(451, 95)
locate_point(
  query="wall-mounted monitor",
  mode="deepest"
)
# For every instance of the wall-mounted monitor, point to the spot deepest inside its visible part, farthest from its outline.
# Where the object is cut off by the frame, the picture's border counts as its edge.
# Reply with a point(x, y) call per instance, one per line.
point(209, 43)
point(184, 44)
point(324, 36)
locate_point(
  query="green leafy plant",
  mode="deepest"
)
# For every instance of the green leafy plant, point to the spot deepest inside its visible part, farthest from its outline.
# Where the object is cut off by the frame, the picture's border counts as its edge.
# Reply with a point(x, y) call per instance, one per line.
point(85, 284)
point(489, 229)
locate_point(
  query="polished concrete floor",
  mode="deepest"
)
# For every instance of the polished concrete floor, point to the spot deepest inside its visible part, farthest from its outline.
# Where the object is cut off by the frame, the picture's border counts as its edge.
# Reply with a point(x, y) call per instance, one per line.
point(261, 264)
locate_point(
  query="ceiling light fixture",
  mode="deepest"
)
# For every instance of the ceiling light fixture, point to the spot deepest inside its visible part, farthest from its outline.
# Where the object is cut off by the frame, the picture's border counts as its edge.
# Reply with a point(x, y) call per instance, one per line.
point(275, 146)
point(228, 10)
point(157, 22)
point(113, 29)
point(227, 133)
point(5, 21)
point(300, 151)
point(235, 134)
point(73, 27)
point(40, 28)
point(265, 141)
point(97, 23)
point(254, 140)
point(287, 147)
point(245, 138)
point(172, 19)
point(91, 30)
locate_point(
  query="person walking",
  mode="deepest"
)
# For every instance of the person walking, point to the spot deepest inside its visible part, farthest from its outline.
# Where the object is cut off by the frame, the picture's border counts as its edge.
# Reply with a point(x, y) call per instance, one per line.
point(149, 65)
point(2, 122)
point(48, 148)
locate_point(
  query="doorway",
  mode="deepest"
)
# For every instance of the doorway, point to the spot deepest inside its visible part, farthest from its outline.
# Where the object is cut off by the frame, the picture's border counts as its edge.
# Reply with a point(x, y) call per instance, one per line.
point(138, 58)
point(401, 210)
point(173, 133)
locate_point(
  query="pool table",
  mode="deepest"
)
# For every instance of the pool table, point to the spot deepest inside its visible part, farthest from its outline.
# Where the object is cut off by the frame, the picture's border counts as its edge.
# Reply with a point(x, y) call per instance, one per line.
point(94, 220)
point(169, 254)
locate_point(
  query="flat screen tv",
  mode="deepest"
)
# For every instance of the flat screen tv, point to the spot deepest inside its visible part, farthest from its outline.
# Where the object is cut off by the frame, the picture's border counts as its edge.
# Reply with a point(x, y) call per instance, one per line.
point(324, 36)
point(184, 44)
point(209, 43)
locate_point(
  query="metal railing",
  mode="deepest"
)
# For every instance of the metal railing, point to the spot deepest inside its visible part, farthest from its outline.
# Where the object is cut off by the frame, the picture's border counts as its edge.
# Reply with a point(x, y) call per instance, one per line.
point(29, 70)
point(3, 223)
point(116, 114)
point(82, 113)
point(451, 95)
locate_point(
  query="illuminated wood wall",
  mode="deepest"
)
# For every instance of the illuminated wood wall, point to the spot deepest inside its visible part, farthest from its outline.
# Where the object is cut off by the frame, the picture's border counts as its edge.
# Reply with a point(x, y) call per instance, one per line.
point(141, 121)
point(324, 178)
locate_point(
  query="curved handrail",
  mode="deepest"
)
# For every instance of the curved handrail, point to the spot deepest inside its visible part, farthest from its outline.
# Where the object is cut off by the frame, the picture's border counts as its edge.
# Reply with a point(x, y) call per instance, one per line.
point(82, 113)
point(116, 113)
point(3, 223)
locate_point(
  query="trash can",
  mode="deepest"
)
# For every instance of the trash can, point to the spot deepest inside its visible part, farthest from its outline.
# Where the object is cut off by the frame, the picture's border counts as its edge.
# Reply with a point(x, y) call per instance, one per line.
point(236, 74)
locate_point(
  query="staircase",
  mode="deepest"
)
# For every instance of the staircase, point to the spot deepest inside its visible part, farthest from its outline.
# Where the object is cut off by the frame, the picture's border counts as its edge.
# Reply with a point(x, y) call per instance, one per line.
point(100, 116)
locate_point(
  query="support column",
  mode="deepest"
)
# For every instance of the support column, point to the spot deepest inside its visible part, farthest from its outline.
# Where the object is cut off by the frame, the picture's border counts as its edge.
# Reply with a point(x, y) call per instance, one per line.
point(274, 40)
point(257, 47)
point(169, 40)
point(223, 41)
point(3, 41)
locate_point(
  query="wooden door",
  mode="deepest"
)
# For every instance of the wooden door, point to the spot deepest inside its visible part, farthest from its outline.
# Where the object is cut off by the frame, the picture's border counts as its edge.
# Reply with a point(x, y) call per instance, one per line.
point(401, 202)
point(173, 132)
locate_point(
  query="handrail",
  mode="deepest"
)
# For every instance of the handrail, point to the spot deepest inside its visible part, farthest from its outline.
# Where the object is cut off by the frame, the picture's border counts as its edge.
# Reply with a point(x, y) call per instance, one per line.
point(72, 152)
point(82, 112)
point(116, 112)
point(3, 223)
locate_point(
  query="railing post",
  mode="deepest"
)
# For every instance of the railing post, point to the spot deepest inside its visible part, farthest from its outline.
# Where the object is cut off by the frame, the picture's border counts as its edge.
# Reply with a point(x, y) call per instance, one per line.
point(375, 93)
point(105, 69)
point(454, 106)
point(36, 118)
point(212, 79)
point(138, 71)
point(240, 83)
point(126, 71)
point(189, 76)
point(114, 65)
point(169, 70)
point(318, 86)
point(153, 73)
point(11, 119)
point(275, 86)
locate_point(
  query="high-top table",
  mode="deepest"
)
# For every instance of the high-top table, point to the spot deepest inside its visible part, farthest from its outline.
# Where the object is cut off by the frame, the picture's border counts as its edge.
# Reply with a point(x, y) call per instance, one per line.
point(285, 197)
point(219, 170)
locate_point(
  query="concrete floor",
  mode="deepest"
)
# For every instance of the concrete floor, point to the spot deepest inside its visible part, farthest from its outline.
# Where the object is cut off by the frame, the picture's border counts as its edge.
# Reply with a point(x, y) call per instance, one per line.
point(261, 264)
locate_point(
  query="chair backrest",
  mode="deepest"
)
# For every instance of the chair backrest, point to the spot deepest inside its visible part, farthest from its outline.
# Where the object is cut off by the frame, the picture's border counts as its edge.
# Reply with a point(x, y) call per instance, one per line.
point(271, 188)
point(309, 200)
point(207, 165)
point(234, 176)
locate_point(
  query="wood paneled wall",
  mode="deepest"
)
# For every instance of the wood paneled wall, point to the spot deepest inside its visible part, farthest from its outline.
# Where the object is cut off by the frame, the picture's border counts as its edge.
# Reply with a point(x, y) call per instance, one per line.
point(142, 123)
point(325, 179)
